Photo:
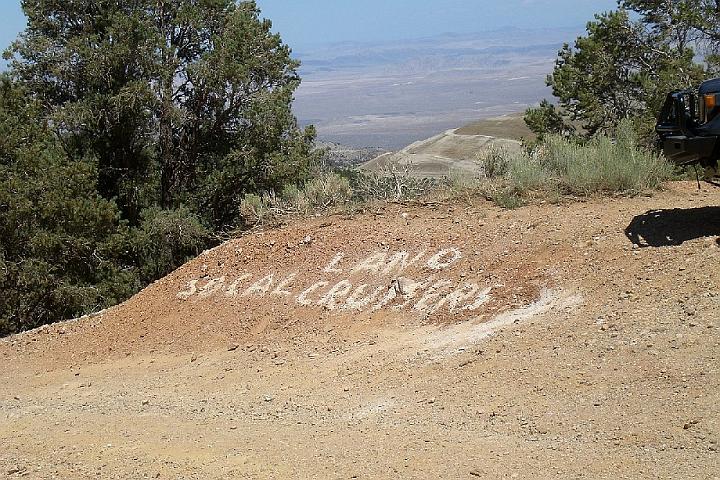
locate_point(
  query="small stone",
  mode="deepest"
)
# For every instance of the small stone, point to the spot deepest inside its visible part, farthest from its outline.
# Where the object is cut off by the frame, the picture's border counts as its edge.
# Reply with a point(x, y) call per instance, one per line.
point(268, 398)
point(475, 473)
point(233, 347)
point(146, 402)
point(193, 358)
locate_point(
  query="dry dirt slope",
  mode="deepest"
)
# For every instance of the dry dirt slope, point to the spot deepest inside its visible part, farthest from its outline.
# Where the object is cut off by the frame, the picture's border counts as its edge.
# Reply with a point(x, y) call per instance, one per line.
point(455, 152)
point(576, 341)
point(447, 154)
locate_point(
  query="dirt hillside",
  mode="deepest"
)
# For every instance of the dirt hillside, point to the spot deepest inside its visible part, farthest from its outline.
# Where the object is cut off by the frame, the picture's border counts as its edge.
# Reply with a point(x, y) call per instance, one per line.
point(449, 153)
point(415, 342)
point(511, 126)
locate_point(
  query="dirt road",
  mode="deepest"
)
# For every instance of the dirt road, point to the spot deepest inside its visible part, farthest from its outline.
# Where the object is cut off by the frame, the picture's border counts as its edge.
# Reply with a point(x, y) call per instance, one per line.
point(444, 341)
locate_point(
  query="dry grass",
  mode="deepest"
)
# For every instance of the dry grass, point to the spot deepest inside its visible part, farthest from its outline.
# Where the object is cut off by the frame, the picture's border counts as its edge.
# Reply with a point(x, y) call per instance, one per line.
point(556, 168)
point(325, 192)
point(560, 166)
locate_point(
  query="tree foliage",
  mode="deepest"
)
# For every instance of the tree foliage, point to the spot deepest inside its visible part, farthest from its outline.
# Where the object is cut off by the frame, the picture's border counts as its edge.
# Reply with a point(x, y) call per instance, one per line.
point(53, 224)
point(546, 119)
point(622, 69)
point(130, 132)
point(691, 24)
point(164, 92)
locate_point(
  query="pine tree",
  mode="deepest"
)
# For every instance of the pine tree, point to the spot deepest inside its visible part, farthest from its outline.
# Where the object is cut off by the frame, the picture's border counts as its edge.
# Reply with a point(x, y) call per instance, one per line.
point(690, 24)
point(55, 228)
point(129, 131)
point(169, 95)
point(622, 69)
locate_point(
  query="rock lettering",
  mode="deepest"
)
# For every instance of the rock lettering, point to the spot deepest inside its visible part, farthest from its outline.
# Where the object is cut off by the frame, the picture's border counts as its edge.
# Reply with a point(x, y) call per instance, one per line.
point(388, 290)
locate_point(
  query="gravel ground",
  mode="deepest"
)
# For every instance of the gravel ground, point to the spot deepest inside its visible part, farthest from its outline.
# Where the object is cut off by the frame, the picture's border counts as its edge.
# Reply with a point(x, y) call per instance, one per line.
point(553, 341)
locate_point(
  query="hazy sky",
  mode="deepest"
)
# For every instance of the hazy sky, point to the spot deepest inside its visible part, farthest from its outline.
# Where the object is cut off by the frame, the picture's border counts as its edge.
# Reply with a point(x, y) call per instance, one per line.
point(303, 22)
point(307, 22)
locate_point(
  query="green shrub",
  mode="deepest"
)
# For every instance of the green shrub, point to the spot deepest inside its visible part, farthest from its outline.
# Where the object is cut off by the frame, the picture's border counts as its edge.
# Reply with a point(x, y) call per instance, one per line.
point(604, 164)
point(292, 195)
point(256, 210)
point(494, 162)
point(561, 165)
point(526, 173)
point(462, 186)
point(328, 190)
point(165, 240)
point(509, 198)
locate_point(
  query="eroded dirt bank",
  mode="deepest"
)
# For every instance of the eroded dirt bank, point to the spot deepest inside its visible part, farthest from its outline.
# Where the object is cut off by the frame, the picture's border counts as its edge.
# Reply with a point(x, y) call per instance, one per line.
point(574, 341)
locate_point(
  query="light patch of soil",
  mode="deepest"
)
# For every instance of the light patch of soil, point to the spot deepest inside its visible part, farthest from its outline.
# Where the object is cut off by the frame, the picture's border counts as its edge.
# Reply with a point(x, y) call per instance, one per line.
point(595, 355)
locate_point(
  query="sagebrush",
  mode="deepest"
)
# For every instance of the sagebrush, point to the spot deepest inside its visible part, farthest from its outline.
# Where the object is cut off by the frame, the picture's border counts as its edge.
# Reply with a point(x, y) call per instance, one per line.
point(560, 165)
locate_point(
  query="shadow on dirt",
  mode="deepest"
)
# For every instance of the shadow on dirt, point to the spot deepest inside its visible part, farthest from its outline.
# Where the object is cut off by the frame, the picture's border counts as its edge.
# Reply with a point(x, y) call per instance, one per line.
point(664, 228)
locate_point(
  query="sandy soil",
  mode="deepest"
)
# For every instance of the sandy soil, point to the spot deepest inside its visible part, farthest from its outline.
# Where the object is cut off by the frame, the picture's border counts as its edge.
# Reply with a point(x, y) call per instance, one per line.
point(418, 342)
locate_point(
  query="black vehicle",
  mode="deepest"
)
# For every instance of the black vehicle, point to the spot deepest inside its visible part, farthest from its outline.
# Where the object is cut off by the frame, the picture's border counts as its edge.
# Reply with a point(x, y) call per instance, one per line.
point(689, 126)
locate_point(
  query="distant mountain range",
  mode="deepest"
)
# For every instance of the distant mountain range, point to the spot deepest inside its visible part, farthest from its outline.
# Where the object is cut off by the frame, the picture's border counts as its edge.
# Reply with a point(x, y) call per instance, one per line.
point(388, 95)
point(433, 53)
